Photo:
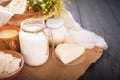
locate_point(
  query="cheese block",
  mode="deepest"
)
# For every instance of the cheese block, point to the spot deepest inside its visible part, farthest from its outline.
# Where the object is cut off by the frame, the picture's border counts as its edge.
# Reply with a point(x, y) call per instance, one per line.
point(68, 52)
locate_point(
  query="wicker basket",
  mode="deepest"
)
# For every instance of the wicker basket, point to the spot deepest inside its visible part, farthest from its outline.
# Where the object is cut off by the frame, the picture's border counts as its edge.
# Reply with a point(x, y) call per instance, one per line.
point(17, 18)
point(4, 2)
point(11, 43)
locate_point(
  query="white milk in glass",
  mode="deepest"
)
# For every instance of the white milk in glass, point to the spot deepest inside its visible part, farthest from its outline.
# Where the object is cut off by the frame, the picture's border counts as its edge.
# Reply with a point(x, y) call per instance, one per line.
point(33, 44)
point(58, 30)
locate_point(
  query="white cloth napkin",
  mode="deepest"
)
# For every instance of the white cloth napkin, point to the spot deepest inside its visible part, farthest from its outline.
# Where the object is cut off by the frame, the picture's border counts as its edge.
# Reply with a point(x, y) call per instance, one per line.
point(5, 15)
point(78, 35)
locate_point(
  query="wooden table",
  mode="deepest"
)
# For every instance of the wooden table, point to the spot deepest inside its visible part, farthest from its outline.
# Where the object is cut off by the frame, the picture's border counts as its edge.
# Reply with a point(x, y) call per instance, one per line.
point(53, 70)
point(103, 18)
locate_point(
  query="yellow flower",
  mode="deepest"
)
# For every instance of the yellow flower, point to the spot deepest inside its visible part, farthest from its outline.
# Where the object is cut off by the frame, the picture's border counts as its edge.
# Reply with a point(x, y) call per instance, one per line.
point(69, 2)
point(40, 0)
point(46, 10)
point(42, 5)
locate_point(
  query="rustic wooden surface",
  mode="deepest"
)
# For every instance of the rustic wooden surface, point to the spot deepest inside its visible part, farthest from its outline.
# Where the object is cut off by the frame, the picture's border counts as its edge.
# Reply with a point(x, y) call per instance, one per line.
point(103, 18)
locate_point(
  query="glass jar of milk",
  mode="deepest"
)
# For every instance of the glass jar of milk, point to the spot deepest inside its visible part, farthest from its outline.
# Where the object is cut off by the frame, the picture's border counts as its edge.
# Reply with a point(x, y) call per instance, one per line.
point(58, 32)
point(33, 42)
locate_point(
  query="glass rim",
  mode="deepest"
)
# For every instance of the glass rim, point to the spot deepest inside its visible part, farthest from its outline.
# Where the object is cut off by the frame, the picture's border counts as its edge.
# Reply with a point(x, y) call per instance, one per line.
point(36, 22)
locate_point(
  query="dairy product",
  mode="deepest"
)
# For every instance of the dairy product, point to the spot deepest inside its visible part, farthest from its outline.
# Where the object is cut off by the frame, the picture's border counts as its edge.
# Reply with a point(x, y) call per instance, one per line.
point(8, 64)
point(57, 31)
point(33, 42)
point(8, 33)
point(68, 52)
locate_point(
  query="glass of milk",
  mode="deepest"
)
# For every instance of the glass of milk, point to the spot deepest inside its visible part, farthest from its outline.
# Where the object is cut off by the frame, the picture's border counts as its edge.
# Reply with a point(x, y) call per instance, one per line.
point(57, 29)
point(33, 41)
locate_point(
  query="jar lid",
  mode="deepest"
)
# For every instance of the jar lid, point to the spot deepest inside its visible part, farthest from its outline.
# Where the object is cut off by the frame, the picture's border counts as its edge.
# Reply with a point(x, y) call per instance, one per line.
point(54, 23)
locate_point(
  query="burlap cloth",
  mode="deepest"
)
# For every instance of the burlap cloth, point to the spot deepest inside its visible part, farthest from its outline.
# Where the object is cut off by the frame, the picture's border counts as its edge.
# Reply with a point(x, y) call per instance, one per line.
point(54, 71)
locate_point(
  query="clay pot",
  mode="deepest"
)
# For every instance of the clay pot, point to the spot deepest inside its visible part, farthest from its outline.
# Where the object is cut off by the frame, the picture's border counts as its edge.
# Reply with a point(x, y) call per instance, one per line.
point(17, 72)
point(9, 43)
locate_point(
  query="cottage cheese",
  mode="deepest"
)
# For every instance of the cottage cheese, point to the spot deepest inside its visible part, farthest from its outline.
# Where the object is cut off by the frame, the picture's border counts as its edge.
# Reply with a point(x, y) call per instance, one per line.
point(8, 64)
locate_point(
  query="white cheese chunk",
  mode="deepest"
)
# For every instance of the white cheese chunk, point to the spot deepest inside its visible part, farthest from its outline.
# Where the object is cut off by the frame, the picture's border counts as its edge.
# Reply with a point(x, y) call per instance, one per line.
point(68, 52)
point(8, 64)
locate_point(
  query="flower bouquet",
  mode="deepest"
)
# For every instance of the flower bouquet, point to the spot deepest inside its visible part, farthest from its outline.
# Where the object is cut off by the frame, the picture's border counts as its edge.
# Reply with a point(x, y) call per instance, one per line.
point(46, 7)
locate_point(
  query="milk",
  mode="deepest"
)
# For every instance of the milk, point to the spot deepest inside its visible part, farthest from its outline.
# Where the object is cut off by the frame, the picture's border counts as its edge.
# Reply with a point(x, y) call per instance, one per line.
point(8, 33)
point(34, 45)
point(57, 29)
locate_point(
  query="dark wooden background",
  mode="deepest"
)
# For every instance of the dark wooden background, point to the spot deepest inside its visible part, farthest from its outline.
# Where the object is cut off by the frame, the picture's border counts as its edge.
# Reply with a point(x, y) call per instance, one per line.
point(103, 18)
